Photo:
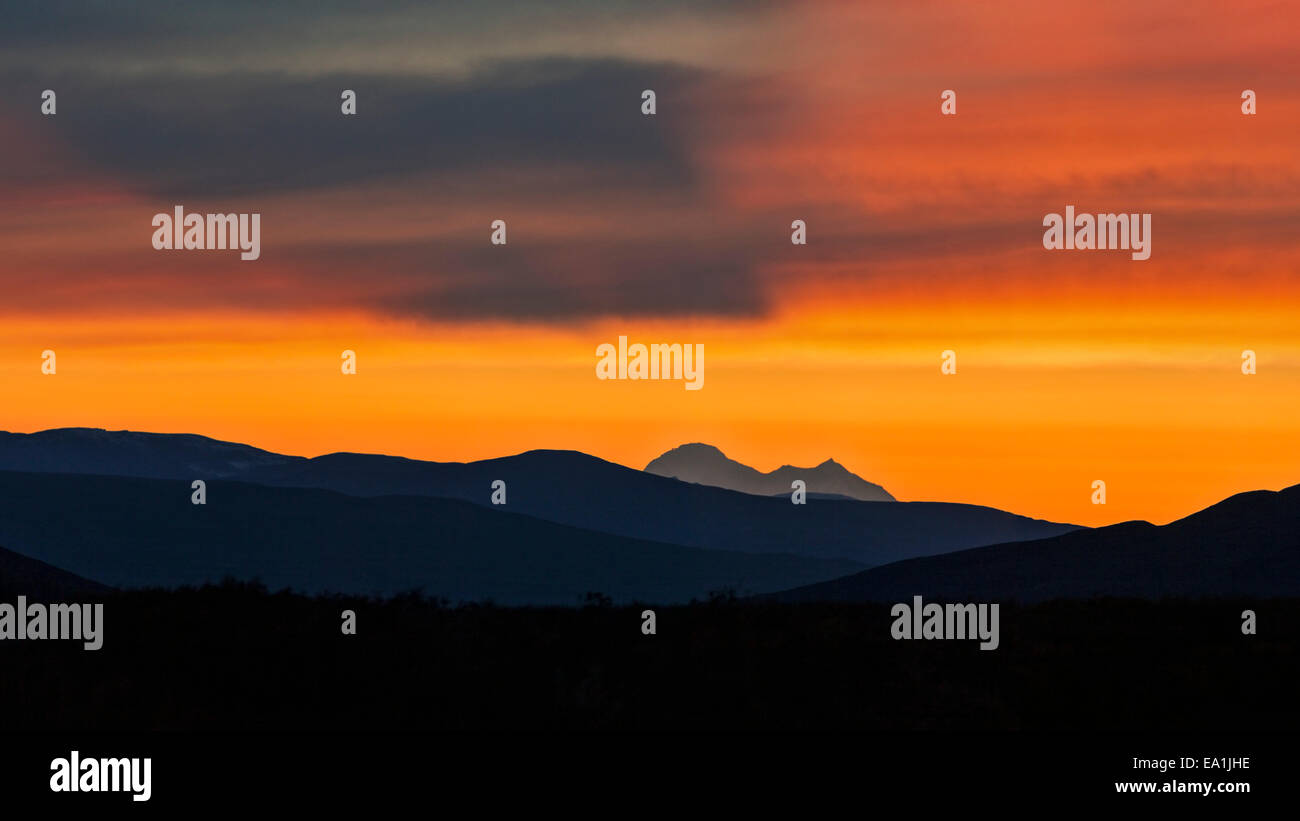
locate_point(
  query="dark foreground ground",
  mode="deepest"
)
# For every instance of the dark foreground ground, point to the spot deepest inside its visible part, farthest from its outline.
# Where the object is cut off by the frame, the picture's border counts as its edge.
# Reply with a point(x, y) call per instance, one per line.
point(238, 659)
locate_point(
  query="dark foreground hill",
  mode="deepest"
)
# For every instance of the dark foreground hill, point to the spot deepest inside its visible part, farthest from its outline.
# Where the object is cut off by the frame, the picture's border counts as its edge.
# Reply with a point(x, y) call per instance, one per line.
point(1248, 544)
point(566, 487)
point(130, 532)
point(233, 659)
point(38, 581)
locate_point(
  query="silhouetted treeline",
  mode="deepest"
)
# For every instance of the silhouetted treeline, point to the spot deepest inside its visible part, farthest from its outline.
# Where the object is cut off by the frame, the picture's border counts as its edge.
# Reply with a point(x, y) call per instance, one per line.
point(237, 658)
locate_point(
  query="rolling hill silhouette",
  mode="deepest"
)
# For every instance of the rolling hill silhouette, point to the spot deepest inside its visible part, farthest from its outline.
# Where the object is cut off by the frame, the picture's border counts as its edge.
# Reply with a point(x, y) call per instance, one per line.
point(565, 487)
point(132, 532)
point(1248, 544)
point(132, 453)
point(706, 465)
point(24, 576)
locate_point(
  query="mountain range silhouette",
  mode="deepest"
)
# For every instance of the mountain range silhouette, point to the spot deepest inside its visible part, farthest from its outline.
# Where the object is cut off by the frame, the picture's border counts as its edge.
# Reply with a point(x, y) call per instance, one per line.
point(706, 465)
point(565, 487)
point(1248, 544)
point(114, 507)
point(130, 532)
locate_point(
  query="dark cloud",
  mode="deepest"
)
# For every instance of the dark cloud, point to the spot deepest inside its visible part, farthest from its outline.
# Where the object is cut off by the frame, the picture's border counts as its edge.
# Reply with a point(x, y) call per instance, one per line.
point(320, 37)
point(444, 280)
point(162, 24)
point(547, 280)
point(193, 136)
point(542, 142)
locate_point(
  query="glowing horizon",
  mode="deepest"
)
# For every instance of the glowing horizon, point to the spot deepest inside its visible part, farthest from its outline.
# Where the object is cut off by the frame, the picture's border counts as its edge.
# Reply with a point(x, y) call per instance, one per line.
point(924, 235)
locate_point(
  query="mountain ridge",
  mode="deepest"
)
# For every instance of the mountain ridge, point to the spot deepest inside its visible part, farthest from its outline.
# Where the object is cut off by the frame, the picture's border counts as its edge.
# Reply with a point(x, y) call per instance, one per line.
point(707, 465)
point(1246, 544)
point(562, 486)
point(147, 533)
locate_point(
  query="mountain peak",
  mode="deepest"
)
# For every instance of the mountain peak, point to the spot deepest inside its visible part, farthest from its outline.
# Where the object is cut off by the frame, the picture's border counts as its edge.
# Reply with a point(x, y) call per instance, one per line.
point(705, 464)
point(697, 448)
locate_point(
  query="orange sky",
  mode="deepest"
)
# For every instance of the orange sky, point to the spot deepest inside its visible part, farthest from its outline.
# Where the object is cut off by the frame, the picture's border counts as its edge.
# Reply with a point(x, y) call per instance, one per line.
point(924, 235)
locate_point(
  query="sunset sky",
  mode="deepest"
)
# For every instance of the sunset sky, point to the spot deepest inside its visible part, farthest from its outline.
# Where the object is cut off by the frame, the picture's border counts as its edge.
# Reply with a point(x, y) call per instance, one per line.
point(924, 235)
